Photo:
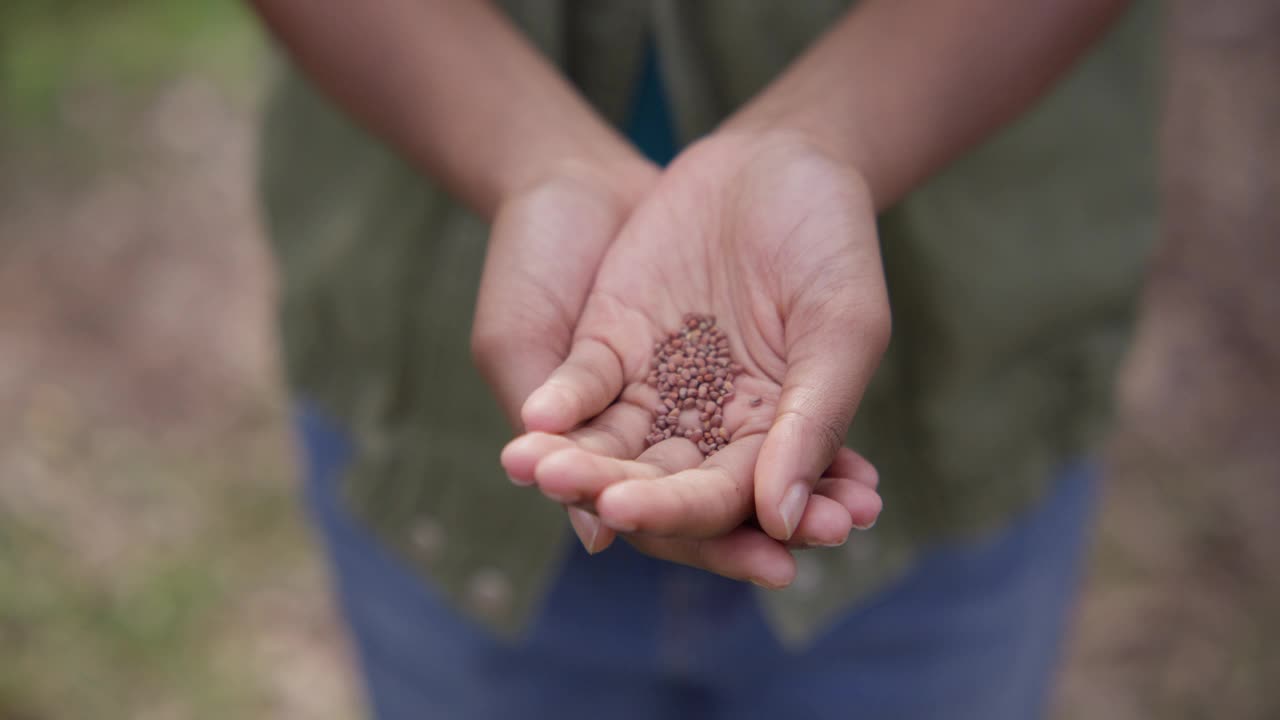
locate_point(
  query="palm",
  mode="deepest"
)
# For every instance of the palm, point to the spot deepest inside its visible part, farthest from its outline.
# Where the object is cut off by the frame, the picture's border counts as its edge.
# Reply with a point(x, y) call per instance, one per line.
point(776, 243)
point(544, 251)
point(744, 241)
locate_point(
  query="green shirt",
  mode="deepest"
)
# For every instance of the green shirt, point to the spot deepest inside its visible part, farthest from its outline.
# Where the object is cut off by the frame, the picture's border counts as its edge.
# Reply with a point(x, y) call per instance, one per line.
point(1012, 277)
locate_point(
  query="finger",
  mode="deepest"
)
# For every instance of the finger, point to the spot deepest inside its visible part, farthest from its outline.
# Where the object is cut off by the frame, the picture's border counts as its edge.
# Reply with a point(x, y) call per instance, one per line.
point(521, 456)
point(661, 459)
point(582, 387)
point(743, 554)
point(862, 503)
point(573, 475)
point(826, 523)
point(618, 433)
point(851, 465)
point(593, 535)
point(831, 355)
point(701, 502)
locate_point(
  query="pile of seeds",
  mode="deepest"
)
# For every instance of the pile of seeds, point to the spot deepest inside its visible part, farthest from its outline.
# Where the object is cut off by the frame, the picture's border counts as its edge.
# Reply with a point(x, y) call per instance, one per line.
point(693, 372)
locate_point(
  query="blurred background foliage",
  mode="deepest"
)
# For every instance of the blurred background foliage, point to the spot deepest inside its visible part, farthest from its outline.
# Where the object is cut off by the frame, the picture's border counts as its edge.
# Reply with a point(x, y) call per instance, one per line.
point(153, 561)
point(50, 46)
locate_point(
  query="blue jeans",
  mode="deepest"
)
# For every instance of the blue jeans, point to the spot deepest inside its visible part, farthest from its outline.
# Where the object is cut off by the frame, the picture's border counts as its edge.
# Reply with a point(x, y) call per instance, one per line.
point(971, 632)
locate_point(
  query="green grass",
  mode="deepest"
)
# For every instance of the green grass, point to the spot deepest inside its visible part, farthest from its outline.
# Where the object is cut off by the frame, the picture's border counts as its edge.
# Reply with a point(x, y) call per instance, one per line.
point(152, 634)
point(50, 47)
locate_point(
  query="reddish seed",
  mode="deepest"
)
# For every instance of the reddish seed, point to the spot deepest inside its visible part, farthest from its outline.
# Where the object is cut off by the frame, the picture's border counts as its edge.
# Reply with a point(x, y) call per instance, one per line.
point(692, 370)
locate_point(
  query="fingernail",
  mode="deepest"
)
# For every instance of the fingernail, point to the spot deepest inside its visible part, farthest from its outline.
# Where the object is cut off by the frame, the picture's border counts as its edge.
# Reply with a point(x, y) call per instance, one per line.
point(587, 527)
point(868, 526)
point(517, 481)
point(792, 507)
point(547, 399)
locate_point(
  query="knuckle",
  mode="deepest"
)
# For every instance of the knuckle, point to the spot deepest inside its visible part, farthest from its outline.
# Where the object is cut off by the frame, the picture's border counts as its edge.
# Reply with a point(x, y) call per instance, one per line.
point(827, 430)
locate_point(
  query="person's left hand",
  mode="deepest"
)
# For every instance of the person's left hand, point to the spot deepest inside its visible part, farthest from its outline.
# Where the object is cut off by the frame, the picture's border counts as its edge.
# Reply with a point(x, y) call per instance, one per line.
point(777, 239)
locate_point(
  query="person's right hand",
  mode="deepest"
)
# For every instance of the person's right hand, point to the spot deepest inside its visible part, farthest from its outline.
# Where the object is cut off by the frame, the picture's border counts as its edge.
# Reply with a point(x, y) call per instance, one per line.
point(545, 246)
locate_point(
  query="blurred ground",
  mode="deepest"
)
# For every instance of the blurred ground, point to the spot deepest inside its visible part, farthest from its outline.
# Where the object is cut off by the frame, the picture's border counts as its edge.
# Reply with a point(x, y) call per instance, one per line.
point(153, 562)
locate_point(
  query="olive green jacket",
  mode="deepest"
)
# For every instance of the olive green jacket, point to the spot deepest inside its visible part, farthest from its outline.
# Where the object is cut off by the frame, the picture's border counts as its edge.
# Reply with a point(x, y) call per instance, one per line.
point(1012, 275)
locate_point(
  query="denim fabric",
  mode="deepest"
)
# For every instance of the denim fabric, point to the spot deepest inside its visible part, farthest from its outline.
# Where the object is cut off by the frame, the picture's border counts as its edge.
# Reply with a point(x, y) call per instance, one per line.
point(971, 632)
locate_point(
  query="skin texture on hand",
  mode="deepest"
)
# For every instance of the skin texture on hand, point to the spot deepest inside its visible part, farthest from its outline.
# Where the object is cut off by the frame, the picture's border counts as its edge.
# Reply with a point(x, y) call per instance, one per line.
point(544, 249)
point(777, 239)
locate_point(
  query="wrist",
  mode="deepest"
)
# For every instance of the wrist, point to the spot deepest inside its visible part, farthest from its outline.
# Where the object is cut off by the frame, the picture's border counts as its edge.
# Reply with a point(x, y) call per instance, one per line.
point(840, 142)
point(619, 177)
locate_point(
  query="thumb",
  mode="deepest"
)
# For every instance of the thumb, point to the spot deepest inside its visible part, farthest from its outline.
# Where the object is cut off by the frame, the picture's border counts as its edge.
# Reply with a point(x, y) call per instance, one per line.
point(513, 370)
point(832, 353)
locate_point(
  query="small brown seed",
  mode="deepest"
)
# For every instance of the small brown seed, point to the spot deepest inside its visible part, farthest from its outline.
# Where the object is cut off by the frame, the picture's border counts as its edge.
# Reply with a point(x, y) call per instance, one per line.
point(688, 403)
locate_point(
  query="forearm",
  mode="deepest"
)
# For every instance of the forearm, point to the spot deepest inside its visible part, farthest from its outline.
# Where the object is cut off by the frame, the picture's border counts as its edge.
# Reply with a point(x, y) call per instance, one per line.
point(454, 87)
point(900, 87)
